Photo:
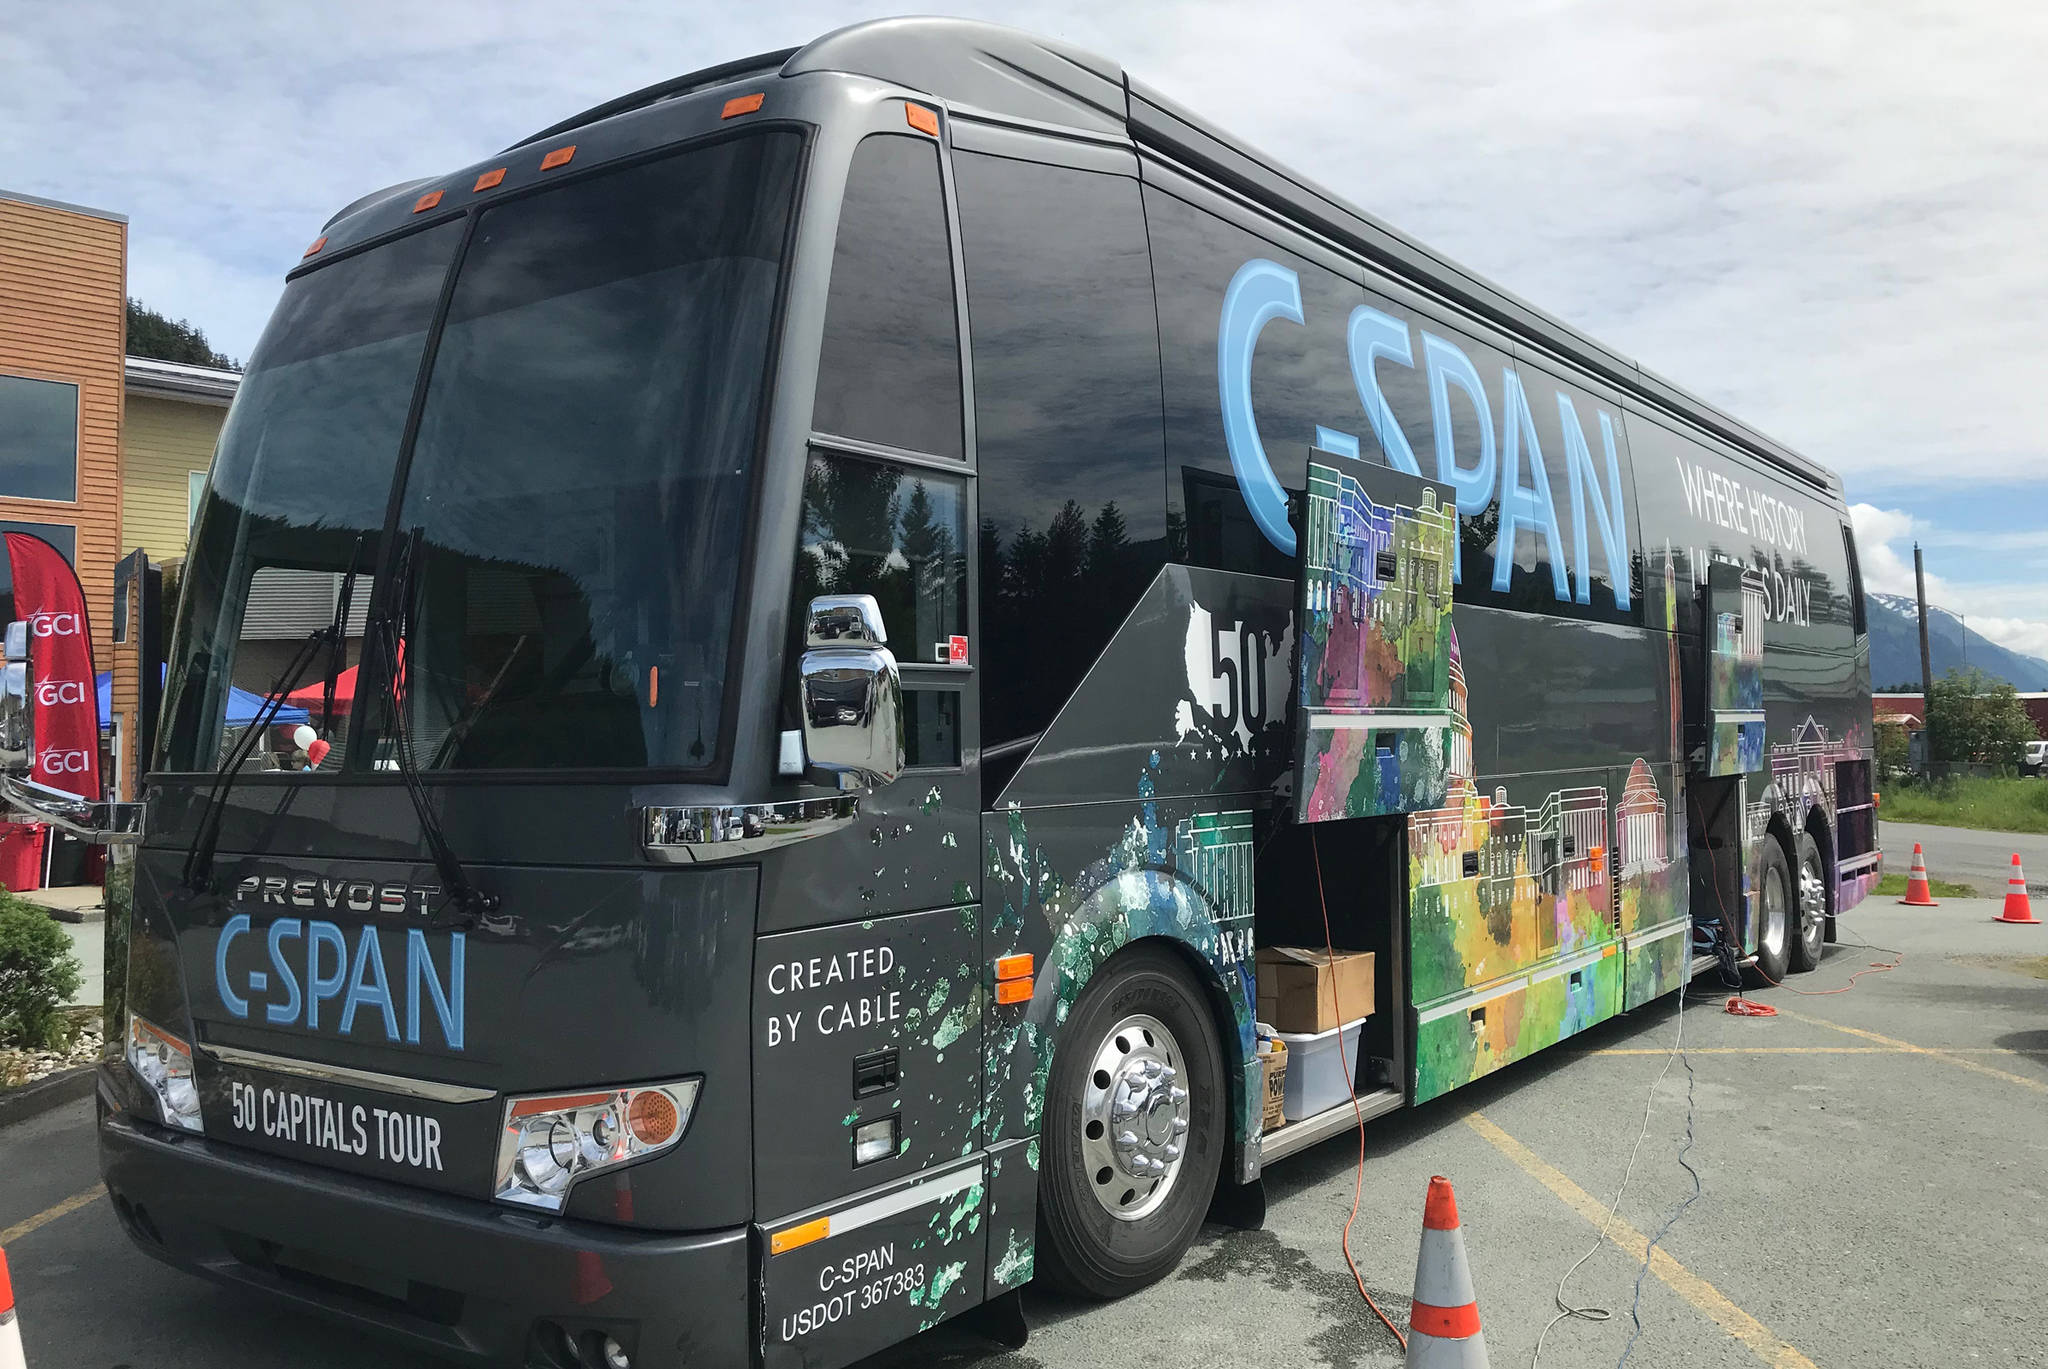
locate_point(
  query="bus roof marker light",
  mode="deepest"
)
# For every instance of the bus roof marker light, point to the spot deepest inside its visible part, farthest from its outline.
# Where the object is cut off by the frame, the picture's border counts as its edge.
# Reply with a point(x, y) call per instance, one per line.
point(741, 104)
point(922, 119)
point(559, 157)
point(426, 202)
point(318, 243)
point(493, 177)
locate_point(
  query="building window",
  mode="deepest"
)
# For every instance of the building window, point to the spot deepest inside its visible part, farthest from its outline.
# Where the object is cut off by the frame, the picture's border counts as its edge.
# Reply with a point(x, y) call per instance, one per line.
point(62, 536)
point(195, 493)
point(38, 439)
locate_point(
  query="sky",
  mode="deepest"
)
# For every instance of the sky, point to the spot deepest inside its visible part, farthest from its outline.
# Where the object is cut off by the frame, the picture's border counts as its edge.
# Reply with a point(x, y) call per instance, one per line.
point(1824, 217)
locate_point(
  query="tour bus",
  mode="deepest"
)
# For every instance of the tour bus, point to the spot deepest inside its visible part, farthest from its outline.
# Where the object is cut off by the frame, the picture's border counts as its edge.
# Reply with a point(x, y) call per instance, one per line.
point(840, 600)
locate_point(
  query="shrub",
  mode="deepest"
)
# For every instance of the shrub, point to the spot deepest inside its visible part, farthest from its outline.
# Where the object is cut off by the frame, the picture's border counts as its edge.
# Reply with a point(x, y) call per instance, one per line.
point(37, 974)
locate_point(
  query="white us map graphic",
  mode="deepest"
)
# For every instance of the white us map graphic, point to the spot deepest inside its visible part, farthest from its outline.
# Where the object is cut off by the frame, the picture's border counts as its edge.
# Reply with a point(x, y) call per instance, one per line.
point(1240, 679)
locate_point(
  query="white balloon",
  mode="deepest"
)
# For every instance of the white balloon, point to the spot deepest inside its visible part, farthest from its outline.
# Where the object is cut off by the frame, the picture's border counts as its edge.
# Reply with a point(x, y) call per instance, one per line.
point(304, 736)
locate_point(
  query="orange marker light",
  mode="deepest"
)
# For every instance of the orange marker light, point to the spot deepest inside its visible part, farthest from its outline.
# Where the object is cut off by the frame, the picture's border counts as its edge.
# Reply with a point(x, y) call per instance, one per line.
point(921, 119)
point(559, 157)
point(740, 104)
point(799, 1235)
point(1013, 991)
point(426, 202)
point(489, 179)
point(318, 243)
point(1013, 967)
point(653, 685)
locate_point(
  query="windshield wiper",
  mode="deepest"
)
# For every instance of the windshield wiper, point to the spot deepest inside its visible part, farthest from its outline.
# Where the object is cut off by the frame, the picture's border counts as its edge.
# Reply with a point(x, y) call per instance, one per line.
point(470, 903)
point(199, 857)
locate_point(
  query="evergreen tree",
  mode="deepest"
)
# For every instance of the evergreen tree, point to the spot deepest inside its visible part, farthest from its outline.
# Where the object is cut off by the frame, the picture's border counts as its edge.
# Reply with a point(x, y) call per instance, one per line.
point(152, 335)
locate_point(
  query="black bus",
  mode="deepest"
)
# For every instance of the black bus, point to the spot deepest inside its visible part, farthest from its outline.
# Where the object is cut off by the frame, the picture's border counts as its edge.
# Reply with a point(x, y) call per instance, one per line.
point(840, 600)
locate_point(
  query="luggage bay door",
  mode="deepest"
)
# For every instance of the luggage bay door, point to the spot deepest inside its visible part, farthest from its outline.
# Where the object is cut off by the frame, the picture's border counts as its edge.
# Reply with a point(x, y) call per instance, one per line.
point(1373, 673)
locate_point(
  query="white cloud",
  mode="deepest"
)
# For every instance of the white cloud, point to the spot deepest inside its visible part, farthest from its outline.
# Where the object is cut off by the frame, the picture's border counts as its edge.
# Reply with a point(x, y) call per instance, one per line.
point(2006, 613)
point(1825, 217)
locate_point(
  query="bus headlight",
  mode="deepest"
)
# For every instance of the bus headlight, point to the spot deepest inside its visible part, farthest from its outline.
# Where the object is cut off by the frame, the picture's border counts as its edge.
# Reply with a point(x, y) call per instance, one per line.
point(551, 1140)
point(164, 1064)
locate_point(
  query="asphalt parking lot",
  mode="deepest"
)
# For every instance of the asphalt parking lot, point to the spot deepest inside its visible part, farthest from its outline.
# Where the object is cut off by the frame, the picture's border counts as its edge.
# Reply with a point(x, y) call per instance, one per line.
point(1874, 1169)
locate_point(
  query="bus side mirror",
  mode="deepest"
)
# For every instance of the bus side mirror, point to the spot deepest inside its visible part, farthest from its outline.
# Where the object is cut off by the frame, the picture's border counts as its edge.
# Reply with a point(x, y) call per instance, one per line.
point(852, 694)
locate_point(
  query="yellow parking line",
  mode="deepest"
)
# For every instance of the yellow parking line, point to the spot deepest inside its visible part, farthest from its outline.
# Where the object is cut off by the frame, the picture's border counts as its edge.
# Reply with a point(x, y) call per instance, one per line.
point(1953, 1057)
point(1900, 1049)
point(1760, 1339)
point(45, 1217)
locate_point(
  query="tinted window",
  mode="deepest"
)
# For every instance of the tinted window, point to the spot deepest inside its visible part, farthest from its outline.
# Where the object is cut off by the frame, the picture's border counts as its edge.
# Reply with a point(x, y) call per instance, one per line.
point(303, 476)
point(896, 533)
point(931, 727)
point(581, 484)
point(38, 439)
point(1068, 442)
point(1860, 623)
point(1300, 381)
point(889, 370)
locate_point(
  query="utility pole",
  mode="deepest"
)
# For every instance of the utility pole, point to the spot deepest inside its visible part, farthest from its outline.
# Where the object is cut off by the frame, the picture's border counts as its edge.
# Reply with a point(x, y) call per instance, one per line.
point(1926, 660)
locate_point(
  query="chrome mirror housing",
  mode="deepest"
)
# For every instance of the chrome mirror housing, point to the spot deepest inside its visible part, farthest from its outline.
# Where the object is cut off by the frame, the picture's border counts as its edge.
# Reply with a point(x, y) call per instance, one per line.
point(851, 691)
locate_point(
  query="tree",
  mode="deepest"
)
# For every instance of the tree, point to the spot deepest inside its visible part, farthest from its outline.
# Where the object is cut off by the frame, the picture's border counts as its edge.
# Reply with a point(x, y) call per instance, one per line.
point(1973, 717)
point(152, 335)
point(1891, 749)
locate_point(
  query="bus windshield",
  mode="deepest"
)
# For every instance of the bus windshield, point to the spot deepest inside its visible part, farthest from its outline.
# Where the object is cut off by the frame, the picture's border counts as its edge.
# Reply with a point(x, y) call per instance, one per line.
point(574, 503)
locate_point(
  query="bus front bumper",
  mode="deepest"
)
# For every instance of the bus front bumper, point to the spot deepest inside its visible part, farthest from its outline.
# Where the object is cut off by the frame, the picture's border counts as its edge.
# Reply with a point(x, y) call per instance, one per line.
point(461, 1278)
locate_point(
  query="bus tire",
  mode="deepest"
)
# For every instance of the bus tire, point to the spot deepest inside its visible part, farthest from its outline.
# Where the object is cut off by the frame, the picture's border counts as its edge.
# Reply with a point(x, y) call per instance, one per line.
point(1132, 1136)
point(1776, 910)
point(1809, 928)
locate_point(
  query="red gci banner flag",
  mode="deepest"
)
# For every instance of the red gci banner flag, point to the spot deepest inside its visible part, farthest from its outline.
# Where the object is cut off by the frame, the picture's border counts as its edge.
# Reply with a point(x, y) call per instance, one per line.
point(67, 716)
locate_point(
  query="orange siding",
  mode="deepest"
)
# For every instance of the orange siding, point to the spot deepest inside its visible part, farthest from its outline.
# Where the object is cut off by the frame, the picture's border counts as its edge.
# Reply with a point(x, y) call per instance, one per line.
point(63, 316)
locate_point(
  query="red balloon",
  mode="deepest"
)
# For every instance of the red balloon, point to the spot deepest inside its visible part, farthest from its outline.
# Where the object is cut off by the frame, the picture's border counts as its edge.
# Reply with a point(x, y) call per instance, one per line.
point(316, 751)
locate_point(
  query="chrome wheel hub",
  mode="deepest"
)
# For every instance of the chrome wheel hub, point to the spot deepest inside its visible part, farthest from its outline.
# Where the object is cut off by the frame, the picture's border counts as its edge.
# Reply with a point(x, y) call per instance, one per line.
point(1813, 908)
point(1135, 1113)
point(1771, 935)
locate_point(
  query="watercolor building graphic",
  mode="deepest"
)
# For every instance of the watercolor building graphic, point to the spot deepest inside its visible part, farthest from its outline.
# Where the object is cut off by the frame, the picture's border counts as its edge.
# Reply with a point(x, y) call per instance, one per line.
point(1374, 674)
point(1530, 924)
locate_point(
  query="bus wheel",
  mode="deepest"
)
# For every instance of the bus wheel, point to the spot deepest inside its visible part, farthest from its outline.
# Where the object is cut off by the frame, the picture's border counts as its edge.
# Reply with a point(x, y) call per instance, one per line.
point(1132, 1136)
point(1775, 912)
point(1810, 932)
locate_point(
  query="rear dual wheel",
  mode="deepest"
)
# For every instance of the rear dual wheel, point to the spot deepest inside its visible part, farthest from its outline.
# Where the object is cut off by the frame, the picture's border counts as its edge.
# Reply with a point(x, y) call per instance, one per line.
point(1792, 910)
point(1132, 1137)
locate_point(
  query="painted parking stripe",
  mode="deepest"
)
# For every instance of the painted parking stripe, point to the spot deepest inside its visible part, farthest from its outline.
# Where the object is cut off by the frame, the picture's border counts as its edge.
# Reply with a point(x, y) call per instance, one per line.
point(1764, 1343)
point(1955, 1058)
point(48, 1215)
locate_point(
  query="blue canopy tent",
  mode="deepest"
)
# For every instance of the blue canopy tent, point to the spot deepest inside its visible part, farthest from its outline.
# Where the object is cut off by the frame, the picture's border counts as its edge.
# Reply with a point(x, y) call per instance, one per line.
point(243, 706)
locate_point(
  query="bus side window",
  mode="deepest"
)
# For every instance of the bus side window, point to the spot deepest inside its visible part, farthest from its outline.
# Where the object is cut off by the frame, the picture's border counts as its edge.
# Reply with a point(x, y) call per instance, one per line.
point(1861, 624)
point(1069, 443)
point(889, 367)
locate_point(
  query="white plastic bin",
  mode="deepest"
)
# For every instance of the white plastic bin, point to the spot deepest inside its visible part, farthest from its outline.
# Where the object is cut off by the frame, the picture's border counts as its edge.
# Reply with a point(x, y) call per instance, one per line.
point(1317, 1079)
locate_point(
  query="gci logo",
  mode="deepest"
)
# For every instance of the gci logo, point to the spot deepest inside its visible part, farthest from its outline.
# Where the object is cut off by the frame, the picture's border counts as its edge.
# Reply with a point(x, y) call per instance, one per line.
point(56, 625)
point(64, 762)
point(60, 692)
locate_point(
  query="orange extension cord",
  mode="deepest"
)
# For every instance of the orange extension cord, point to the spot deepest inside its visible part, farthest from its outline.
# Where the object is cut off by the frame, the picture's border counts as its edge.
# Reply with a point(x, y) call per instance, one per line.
point(1738, 1006)
point(1358, 1179)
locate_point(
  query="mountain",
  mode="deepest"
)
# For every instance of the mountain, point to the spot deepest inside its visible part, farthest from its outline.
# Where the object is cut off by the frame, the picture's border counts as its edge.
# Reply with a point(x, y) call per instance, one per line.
point(1895, 647)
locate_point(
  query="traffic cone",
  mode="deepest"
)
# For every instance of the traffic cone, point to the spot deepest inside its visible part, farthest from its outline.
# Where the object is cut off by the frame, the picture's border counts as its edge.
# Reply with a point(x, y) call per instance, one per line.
point(11, 1356)
point(1917, 895)
point(1443, 1322)
point(2016, 909)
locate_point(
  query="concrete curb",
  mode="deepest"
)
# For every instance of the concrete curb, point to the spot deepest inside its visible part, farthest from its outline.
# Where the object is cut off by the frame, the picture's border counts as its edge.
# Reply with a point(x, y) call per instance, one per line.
point(32, 1100)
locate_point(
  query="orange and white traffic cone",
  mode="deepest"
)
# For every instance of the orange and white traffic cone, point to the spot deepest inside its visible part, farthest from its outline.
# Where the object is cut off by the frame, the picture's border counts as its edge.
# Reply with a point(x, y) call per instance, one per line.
point(2016, 909)
point(1443, 1322)
point(11, 1356)
point(1917, 895)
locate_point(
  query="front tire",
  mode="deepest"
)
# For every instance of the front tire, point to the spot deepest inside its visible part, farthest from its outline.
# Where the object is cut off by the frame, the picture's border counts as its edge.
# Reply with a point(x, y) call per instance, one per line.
point(1775, 911)
point(1132, 1136)
point(1810, 909)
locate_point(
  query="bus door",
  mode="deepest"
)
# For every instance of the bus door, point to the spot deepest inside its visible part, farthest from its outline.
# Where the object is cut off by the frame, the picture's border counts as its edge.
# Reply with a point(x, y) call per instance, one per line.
point(869, 982)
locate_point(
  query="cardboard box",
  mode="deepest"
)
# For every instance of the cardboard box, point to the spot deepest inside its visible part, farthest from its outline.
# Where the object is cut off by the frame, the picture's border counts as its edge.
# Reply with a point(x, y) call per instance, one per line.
point(1276, 1085)
point(1300, 988)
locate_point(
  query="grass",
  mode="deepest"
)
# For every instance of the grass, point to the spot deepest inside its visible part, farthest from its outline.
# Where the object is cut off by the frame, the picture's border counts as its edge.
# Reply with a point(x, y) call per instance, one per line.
point(1894, 886)
point(2014, 805)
